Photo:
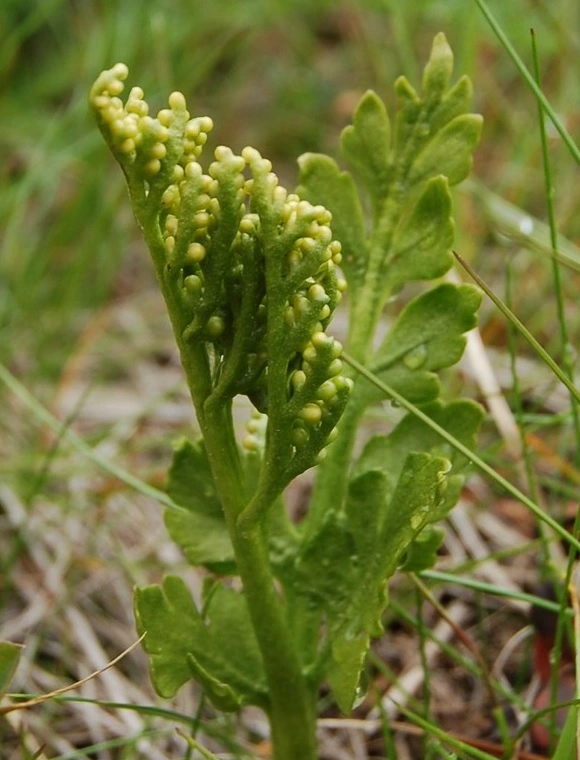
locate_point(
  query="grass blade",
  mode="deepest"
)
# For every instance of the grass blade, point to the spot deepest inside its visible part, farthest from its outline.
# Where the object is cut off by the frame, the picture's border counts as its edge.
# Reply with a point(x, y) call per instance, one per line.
point(529, 80)
point(46, 418)
point(538, 348)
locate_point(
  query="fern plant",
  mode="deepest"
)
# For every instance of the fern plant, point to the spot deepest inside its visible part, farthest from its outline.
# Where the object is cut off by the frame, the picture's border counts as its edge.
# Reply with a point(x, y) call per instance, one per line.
point(251, 275)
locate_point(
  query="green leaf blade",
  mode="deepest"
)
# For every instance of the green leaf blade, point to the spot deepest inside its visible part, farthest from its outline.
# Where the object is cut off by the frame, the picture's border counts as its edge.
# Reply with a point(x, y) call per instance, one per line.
point(219, 649)
point(387, 453)
point(418, 493)
point(199, 529)
point(395, 522)
point(422, 552)
point(366, 143)
point(439, 68)
point(449, 151)
point(234, 657)
point(427, 336)
point(190, 482)
point(173, 628)
point(10, 654)
point(422, 240)
point(321, 181)
point(454, 103)
point(345, 668)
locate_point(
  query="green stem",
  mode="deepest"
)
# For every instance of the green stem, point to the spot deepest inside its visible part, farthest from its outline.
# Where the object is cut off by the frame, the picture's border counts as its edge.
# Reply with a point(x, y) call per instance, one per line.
point(292, 713)
point(292, 709)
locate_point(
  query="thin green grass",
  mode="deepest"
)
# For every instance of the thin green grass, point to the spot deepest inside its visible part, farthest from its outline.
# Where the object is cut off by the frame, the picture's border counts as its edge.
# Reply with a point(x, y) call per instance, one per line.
point(42, 415)
point(568, 367)
point(566, 347)
point(529, 80)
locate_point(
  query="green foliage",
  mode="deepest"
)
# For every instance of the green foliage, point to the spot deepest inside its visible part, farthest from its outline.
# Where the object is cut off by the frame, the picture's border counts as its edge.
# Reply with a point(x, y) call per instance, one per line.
point(361, 549)
point(408, 238)
point(388, 454)
point(9, 659)
point(200, 529)
point(182, 643)
point(407, 181)
point(567, 746)
point(248, 273)
point(366, 145)
point(427, 336)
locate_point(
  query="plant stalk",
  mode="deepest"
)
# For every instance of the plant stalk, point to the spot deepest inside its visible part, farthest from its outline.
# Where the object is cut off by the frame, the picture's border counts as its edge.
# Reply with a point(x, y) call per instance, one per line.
point(292, 713)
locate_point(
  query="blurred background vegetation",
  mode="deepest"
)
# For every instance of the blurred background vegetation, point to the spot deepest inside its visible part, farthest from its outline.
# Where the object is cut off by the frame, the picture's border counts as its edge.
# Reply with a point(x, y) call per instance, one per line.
point(282, 75)
point(78, 305)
